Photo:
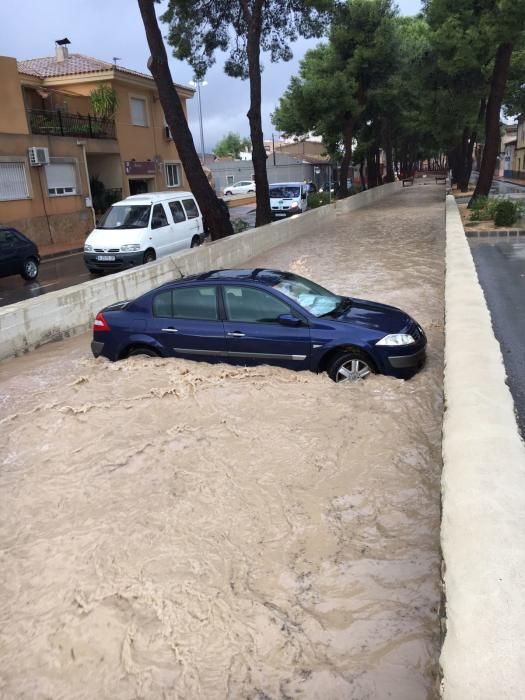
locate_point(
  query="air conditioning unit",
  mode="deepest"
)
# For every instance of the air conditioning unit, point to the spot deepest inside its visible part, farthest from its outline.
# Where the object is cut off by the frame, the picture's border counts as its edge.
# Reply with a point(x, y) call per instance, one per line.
point(167, 133)
point(38, 156)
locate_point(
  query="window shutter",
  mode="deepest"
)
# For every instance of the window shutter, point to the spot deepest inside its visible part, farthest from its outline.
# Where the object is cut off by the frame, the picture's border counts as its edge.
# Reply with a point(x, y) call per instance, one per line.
point(60, 175)
point(13, 182)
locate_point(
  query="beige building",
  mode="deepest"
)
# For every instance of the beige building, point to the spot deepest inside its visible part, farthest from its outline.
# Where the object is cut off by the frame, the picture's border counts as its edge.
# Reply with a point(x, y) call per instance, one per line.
point(51, 145)
point(519, 151)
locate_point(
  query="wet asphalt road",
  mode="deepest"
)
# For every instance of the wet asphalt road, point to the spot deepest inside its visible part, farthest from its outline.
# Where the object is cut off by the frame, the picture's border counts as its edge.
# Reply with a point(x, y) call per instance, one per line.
point(501, 270)
point(68, 270)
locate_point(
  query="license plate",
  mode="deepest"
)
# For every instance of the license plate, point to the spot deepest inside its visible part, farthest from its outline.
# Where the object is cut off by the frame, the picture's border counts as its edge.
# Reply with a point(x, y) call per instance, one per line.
point(279, 213)
point(105, 258)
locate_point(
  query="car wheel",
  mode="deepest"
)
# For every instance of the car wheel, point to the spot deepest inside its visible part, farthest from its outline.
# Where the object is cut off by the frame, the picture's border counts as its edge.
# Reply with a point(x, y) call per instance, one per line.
point(251, 191)
point(227, 193)
point(349, 367)
point(30, 270)
point(195, 242)
point(143, 350)
point(149, 256)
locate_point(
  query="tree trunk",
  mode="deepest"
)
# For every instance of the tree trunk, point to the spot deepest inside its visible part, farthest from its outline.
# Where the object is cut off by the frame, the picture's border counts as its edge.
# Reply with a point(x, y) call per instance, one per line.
point(216, 215)
point(389, 176)
point(253, 20)
point(492, 120)
point(348, 134)
point(361, 173)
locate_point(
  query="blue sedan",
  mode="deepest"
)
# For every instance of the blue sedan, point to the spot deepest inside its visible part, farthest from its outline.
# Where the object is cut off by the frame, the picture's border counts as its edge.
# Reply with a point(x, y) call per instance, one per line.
point(263, 316)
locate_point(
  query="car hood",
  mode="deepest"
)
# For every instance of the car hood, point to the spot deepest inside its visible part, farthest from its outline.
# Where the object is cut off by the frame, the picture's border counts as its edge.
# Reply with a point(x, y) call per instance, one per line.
point(114, 238)
point(380, 317)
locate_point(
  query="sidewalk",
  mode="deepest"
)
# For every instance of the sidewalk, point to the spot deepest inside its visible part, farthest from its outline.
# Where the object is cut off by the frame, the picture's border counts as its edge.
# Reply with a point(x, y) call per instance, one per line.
point(510, 180)
point(58, 250)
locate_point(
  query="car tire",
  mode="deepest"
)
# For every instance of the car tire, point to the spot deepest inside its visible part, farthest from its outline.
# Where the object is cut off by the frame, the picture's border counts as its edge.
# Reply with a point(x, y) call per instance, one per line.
point(30, 269)
point(149, 256)
point(227, 193)
point(350, 367)
point(251, 191)
point(195, 242)
point(143, 350)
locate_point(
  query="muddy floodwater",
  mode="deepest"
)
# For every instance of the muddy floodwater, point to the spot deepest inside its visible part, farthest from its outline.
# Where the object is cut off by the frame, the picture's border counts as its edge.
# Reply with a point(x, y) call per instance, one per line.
point(171, 529)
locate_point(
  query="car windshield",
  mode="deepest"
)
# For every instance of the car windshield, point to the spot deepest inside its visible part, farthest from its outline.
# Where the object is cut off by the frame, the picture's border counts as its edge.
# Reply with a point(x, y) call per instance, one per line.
point(284, 192)
point(314, 298)
point(126, 216)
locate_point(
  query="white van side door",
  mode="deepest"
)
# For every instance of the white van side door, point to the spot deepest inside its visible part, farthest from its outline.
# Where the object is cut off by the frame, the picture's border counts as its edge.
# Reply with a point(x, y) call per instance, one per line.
point(181, 227)
point(194, 217)
point(160, 230)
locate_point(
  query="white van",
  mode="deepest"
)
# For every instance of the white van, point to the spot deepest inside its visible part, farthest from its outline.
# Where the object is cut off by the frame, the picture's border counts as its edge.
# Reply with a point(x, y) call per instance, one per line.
point(288, 198)
point(144, 227)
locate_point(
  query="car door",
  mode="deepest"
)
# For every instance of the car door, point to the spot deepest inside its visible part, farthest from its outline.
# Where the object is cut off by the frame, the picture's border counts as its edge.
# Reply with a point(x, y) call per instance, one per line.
point(161, 230)
point(186, 322)
point(254, 333)
point(10, 253)
point(194, 218)
point(182, 227)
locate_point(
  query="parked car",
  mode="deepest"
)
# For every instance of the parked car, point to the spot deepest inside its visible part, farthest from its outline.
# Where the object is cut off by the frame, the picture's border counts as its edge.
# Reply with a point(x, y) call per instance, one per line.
point(288, 198)
point(242, 187)
point(262, 317)
point(144, 227)
point(18, 255)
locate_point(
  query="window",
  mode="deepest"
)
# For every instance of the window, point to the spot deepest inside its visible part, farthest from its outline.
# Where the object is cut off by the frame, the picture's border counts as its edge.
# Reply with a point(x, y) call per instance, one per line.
point(192, 303)
point(159, 218)
point(253, 305)
point(61, 179)
point(191, 208)
point(177, 212)
point(126, 216)
point(7, 237)
point(173, 175)
point(138, 111)
point(13, 181)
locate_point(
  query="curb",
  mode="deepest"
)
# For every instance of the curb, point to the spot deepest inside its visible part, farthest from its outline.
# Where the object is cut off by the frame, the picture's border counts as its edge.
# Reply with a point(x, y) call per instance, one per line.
point(494, 232)
point(61, 254)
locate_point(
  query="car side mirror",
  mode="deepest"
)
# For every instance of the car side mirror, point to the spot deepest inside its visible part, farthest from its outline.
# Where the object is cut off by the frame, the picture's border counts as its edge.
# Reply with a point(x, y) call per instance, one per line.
point(289, 320)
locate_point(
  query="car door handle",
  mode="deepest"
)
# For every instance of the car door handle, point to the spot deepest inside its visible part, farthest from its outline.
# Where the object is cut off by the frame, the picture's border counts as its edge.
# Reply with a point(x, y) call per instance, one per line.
point(170, 330)
point(236, 334)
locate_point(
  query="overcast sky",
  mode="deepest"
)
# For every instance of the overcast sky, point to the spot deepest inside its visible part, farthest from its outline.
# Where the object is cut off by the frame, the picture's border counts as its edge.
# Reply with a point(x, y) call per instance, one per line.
point(108, 28)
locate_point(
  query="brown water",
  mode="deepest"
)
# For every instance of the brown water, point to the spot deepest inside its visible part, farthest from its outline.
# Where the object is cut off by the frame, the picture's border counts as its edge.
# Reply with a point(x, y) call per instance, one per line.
point(171, 529)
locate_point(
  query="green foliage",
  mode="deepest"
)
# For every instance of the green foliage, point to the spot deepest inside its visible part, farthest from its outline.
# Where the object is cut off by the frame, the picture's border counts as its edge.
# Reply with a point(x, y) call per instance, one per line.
point(104, 101)
point(506, 212)
point(231, 145)
point(197, 29)
point(318, 199)
point(240, 225)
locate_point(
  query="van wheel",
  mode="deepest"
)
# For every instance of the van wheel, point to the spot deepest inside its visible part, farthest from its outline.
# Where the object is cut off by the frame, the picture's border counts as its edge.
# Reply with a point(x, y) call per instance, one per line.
point(195, 242)
point(30, 270)
point(149, 256)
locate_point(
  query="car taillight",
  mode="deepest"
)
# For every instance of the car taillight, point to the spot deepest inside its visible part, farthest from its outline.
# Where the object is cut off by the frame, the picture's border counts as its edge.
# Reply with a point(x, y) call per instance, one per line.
point(100, 323)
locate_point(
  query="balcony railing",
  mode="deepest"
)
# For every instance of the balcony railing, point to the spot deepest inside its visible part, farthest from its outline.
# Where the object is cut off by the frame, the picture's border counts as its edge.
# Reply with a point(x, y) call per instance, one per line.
point(67, 124)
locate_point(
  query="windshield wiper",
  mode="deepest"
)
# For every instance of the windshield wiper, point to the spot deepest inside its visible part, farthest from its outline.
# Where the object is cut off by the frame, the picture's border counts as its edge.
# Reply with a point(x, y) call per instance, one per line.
point(343, 305)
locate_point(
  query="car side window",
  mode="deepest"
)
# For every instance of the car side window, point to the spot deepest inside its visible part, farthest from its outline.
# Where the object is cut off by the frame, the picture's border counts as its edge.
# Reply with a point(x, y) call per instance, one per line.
point(158, 218)
point(248, 305)
point(177, 212)
point(191, 208)
point(7, 237)
point(192, 303)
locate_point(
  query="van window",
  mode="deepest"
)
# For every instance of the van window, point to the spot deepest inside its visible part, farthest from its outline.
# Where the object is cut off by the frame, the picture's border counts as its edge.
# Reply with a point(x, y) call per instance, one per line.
point(159, 218)
point(177, 212)
point(191, 208)
point(126, 216)
point(285, 191)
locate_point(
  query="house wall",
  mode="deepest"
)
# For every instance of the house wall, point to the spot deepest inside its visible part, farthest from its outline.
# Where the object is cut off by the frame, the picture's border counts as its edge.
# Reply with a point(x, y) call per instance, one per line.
point(12, 112)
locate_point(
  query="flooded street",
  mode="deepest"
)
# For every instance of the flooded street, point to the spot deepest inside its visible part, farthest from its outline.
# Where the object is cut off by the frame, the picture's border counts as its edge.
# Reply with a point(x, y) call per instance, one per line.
point(172, 529)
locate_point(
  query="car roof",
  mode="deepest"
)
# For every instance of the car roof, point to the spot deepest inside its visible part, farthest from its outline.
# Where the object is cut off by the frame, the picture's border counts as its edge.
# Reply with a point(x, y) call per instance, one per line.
point(282, 184)
point(260, 275)
point(152, 197)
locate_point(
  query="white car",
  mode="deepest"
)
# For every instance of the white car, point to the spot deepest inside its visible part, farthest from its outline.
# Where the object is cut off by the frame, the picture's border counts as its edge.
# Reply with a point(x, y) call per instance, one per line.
point(242, 187)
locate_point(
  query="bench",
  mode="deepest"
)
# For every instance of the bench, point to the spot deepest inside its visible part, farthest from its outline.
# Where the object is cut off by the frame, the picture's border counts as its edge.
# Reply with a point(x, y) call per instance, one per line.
point(408, 180)
point(441, 177)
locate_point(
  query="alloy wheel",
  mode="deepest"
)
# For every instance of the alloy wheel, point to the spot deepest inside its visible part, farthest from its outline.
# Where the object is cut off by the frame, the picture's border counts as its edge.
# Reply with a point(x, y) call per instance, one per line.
point(352, 370)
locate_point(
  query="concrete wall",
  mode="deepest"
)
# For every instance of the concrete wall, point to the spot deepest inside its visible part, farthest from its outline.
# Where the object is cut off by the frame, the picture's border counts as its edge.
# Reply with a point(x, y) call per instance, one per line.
point(483, 490)
point(66, 312)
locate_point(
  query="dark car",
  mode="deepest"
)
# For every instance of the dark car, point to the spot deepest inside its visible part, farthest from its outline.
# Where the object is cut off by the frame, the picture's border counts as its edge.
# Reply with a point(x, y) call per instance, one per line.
point(262, 317)
point(18, 255)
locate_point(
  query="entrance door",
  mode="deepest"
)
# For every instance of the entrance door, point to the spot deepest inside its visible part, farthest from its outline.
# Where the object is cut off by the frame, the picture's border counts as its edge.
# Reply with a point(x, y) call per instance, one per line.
point(138, 186)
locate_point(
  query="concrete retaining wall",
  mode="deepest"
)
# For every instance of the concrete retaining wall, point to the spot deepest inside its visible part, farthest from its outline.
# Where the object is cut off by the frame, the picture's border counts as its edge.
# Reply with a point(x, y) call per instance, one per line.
point(483, 490)
point(28, 324)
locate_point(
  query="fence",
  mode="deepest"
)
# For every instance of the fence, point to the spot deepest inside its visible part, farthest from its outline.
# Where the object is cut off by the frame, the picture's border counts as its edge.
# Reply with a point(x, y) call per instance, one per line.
point(67, 124)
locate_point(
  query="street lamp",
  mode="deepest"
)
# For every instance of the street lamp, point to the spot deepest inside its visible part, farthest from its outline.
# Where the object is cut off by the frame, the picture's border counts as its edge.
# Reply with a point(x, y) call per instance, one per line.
point(197, 83)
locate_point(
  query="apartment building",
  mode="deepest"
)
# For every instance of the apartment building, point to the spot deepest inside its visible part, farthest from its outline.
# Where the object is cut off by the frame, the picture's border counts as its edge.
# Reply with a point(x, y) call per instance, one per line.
point(56, 157)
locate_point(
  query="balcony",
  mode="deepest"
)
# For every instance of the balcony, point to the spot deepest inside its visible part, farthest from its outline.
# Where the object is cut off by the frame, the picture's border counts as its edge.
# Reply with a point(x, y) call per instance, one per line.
point(66, 124)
